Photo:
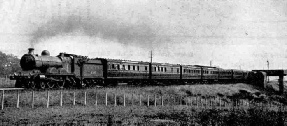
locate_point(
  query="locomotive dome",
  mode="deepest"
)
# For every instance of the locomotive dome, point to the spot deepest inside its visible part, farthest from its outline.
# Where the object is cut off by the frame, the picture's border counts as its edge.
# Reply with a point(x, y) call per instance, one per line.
point(45, 53)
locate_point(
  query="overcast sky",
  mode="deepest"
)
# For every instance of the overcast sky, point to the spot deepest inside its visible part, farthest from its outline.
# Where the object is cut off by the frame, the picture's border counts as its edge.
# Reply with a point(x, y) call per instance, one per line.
point(230, 33)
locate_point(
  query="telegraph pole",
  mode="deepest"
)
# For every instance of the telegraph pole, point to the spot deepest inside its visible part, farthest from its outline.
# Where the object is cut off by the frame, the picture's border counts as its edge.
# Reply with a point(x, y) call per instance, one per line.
point(268, 69)
point(151, 56)
point(150, 68)
point(210, 63)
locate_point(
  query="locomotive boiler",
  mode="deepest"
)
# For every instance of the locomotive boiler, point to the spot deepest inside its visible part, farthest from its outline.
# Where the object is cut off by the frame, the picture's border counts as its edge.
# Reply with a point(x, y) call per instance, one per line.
point(30, 61)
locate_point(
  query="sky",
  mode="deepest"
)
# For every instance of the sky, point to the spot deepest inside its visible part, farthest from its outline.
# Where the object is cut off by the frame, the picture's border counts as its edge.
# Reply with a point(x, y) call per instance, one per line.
point(231, 34)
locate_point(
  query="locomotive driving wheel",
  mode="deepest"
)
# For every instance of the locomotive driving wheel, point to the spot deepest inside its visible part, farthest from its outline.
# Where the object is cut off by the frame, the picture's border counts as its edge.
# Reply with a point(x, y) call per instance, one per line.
point(50, 84)
point(61, 84)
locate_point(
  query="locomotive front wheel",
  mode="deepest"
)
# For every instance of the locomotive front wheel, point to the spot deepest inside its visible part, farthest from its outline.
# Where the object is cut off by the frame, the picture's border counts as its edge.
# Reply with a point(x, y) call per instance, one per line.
point(31, 84)
point(50, 84)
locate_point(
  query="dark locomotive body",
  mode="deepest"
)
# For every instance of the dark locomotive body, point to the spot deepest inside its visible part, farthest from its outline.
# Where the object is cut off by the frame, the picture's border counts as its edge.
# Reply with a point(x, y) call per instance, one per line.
point(69, 70)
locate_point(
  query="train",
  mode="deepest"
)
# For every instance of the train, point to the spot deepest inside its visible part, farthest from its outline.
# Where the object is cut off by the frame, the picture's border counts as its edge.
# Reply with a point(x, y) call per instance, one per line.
point(70, 70)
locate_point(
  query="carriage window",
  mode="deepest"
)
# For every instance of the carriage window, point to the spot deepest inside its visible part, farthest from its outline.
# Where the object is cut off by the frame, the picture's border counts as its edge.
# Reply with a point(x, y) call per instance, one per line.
point(145, 68)
point(162, 69)
point(138, 68)
point(177, 70)
point(118, 66)
point(123, 67)
point(154, 68)
point(129, 67)
point(165, 69)
point(134, 67)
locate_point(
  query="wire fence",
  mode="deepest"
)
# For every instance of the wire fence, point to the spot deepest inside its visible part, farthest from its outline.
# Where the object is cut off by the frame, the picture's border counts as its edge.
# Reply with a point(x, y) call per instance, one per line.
point(17, 97)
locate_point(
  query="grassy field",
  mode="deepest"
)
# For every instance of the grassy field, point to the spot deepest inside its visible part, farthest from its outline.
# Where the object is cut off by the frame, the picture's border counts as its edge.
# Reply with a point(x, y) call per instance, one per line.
point(179, 115)
point(133, 114)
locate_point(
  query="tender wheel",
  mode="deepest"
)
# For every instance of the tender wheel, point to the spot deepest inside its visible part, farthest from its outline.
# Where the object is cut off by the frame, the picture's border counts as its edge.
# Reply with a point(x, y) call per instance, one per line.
point(42, 85)
point(50, 84)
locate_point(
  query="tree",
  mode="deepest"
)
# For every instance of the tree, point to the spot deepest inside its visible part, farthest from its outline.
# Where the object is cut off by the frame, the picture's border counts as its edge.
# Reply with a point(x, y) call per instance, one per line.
point(8, 64)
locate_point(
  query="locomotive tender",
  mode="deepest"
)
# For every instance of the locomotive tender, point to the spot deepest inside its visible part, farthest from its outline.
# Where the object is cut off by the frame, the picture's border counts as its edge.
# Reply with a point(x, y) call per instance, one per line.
point(69, 70)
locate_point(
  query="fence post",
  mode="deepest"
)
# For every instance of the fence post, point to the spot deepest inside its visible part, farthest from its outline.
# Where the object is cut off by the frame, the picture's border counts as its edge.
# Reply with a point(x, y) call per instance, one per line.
point(161, 100)
point(61, 98)
point(2, 100)
point(180, 100)
point(219, 103)
point(124, 99)
point(154, 100)
point(96, 99)
point(32, 98)
point(115, 99)
point(74, 98)
point(168, 100)
point(140, 100)
point(132, 99)
point(85, 98)
point(205, 102)
point(174, 98)
point(214, 102)
point(48, 99)
point(196, 102)
point(18, 99)
point(106, 101)
point(147, 100)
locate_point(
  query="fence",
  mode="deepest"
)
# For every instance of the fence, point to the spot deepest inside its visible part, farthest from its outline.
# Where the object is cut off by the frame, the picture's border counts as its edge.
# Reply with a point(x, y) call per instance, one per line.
point(82, 97)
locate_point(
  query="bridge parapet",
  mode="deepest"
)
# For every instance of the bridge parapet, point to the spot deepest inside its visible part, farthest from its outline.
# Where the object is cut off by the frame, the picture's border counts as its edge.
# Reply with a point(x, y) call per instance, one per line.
point(280, 72)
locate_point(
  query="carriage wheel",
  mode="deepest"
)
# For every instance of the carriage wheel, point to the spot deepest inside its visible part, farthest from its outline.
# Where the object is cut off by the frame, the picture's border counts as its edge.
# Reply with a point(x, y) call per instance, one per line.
point(50, 84)
point(42, 85)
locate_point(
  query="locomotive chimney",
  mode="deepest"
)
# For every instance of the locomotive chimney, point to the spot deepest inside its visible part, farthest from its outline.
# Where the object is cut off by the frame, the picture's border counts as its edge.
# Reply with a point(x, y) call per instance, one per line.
point(31, 51)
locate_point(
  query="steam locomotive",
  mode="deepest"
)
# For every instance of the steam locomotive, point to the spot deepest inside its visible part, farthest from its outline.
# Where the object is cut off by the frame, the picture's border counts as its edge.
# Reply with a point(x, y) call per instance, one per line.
point(70, 70)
